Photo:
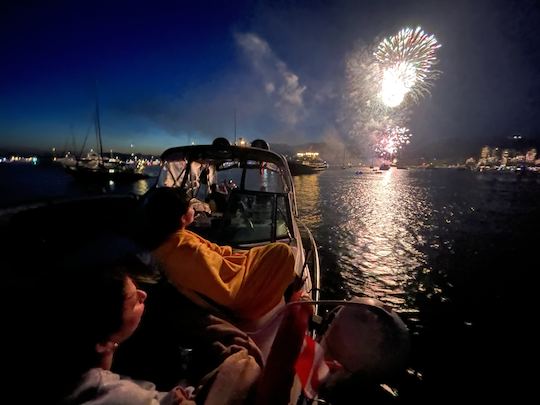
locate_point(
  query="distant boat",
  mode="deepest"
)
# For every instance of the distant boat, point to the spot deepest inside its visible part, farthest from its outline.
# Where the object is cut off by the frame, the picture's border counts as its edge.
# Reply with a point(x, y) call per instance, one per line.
point(307, 163)
point(68, 160)
point(97, 168)
point(384, 166)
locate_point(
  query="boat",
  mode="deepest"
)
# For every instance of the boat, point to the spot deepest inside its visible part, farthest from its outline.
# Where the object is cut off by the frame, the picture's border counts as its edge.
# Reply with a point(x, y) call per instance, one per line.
point(95, 167)
point(262, 186)
point(101, 170)
point(162, 349)
point(345, 164)
point(307, 163)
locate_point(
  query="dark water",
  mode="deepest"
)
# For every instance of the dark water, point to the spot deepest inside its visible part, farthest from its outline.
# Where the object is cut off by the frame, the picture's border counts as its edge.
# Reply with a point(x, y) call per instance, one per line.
point(454, 252)
point(22, 183)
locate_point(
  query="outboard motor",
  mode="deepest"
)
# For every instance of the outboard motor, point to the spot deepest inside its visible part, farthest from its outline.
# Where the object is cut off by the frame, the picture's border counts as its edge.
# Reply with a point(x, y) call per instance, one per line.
point(371, 345)
point(367, 337)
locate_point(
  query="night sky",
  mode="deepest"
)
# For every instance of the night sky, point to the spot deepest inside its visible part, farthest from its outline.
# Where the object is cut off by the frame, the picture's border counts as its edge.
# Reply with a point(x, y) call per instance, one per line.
point(171, 73)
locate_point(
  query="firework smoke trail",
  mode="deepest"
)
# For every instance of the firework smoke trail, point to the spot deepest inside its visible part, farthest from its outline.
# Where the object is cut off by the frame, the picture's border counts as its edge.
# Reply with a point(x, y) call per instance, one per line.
point(406, 61)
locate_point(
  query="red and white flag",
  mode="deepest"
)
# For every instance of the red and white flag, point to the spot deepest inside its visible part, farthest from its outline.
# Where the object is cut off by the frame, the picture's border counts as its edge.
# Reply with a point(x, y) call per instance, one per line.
point(310, 366)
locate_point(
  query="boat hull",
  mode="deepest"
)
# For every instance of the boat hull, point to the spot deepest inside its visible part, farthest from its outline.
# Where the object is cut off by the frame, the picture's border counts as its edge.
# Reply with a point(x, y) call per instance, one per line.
point(298, 168)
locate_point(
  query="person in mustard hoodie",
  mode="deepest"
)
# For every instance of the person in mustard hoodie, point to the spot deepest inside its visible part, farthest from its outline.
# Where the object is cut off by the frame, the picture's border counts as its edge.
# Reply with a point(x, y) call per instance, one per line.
point(247, 283)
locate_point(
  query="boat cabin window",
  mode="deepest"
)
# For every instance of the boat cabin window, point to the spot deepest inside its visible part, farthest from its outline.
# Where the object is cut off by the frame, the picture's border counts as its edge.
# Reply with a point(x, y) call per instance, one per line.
point(172, 173)
point(266, 178)
point(227, 174)
point(250, 218)
point(254, 205)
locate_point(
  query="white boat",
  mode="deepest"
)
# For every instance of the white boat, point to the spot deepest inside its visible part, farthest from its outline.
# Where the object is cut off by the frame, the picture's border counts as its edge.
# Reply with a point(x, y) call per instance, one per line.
point(102, 170)
point(261, 208)
point(307, 163)
point(96, 167)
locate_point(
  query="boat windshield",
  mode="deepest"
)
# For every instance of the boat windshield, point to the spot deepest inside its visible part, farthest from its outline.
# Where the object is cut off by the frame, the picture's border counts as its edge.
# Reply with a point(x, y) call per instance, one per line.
point(249, 175)
point(246, 202)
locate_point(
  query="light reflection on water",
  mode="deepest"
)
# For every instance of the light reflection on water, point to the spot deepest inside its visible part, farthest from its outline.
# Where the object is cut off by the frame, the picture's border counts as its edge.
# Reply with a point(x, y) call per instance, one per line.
point(385, 229)
point(375, 222)
point(308, 200)
point(141, 186)
point(403, 235)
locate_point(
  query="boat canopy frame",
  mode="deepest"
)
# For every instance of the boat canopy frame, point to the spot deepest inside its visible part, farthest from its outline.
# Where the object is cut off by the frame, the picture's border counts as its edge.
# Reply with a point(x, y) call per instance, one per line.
point(245, 158)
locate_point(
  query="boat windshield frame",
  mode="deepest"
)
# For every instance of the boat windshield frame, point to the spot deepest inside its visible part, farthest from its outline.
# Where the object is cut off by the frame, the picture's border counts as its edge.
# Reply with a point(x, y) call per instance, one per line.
point(246, 176)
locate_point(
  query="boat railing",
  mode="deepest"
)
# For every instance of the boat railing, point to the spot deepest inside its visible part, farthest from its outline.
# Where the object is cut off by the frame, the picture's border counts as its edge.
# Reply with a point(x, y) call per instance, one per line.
point(312, 261)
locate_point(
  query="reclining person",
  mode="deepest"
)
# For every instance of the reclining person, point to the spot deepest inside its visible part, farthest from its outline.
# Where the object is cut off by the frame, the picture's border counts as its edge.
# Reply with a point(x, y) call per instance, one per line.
point(93, 306)
point(248, 283)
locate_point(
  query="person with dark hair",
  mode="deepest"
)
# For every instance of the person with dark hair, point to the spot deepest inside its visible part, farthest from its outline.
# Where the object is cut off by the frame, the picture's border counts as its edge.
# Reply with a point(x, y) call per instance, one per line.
point(248, 284)
point(93, 306)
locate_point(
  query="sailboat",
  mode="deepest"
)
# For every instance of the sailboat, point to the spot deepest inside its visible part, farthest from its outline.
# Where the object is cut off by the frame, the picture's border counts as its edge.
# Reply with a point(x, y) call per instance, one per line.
point(346, 164)
point(97, 168)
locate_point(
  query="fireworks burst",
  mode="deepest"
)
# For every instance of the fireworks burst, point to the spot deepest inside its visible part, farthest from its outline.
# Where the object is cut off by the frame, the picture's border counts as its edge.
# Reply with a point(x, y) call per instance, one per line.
point(406, 61)
point(391, 140)
point(365, 116)
point(381, 77)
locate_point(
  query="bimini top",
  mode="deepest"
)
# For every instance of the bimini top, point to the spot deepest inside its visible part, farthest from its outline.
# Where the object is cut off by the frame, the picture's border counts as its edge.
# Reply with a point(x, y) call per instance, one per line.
point(252, 167)
point(222, 153)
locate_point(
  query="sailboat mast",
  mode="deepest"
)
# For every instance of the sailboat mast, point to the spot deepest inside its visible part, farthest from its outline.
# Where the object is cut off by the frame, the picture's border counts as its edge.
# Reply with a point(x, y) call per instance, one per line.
point(98, 132)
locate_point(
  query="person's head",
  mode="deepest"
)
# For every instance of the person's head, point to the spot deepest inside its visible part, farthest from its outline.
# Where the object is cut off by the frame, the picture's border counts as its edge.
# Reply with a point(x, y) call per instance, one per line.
point(83, 310)
point(106, 308)
point(165, 210)
point(368, 339)
point(99, 294)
